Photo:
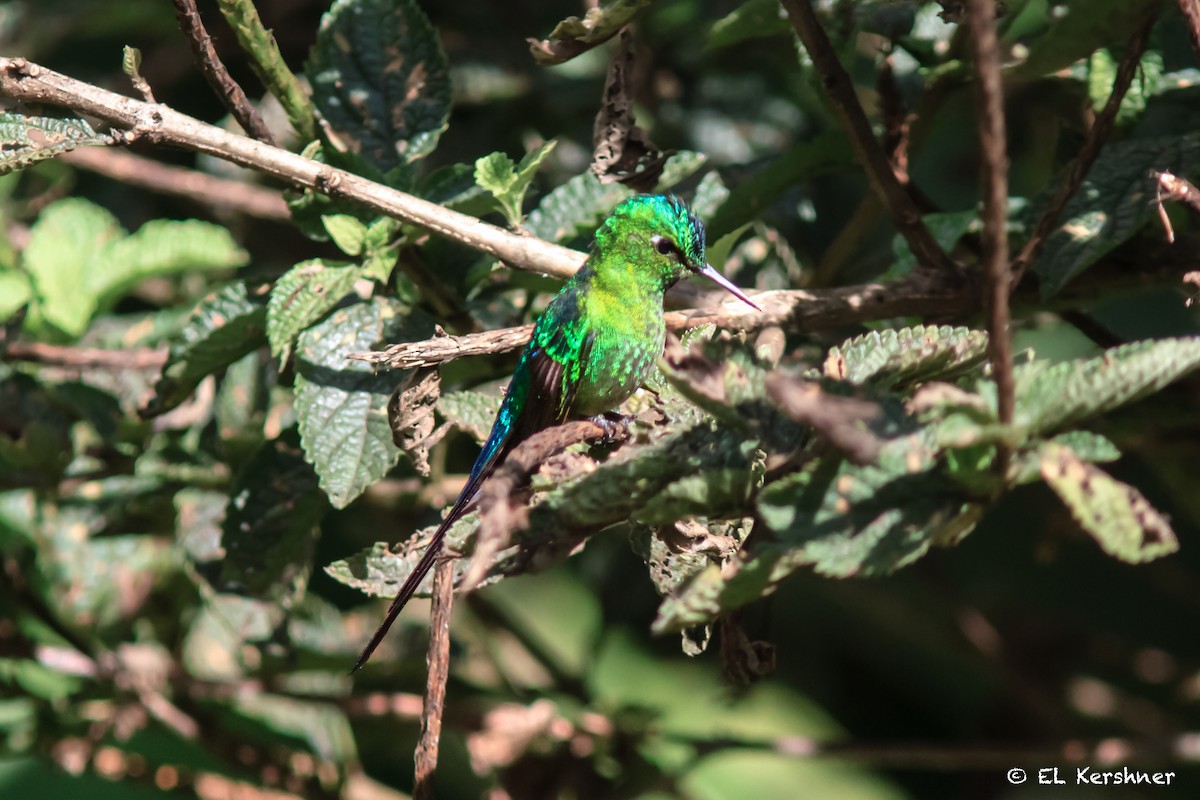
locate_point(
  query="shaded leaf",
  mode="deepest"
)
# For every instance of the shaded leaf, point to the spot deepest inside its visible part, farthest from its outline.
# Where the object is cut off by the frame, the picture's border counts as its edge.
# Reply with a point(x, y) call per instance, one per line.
point(342, 404)
point(1120, 519)
point(1112, 204)
point(751, 20)
point(1053, 397)
point(410, 413)
point(270, 525)
point(26, 140)
point(381, 80)
point(225, 326)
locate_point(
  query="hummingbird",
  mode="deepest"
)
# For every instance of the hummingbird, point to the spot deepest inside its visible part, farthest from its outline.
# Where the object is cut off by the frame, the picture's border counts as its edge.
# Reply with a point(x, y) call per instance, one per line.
point(592, 347)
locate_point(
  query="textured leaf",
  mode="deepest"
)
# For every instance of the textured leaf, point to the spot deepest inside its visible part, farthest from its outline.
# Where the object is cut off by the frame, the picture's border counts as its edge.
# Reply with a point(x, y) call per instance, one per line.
point(576, 207)
point(226, 325)
point(271, 523)
point(342, 404)
point(905, 355)
point(62, 243)
point(454, 187)
point(1084, 445)
point(302, 296)
point(1051, 398)
point(381, 80)
point(573, 35)
point(379, 572)
point(160, 247)
point(26, 140)
point(472, 411)
point(508, 183)
point(1112, 204)
point(1117, 515)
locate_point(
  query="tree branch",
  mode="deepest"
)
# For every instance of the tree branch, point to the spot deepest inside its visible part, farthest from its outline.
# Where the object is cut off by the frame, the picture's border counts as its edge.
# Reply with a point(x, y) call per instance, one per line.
point(794, 310)
point(199, 187)
point(900, 208)
point(1191, 14)
point(28, 82)
point(1096, 137)
point(218, 77)
point(438, 665)
point(989, 95)
point(82, 357)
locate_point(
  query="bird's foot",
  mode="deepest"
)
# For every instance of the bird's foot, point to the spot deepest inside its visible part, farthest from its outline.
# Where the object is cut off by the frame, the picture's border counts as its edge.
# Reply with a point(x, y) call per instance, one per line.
point(615, 426)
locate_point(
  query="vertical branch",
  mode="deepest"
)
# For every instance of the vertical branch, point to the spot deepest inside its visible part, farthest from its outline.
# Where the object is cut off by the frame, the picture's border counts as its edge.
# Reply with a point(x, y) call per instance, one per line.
point(438, 664)
point(989, 97)
point(218, 77)
point(903, 213)
point(269, 65)
point(1191, 15)
point(1096, 137)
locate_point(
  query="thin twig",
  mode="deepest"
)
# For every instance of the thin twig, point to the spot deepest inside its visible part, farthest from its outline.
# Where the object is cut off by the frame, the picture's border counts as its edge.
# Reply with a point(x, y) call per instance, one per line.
point(218, 77)
point(438, 665)
point(989, 96)
point(901, 210)
point(83, 357)
point(25, 81)
point(1191, 14)
point(1169, 187)
point(1092, 144)
point(207, 190)
point(268, 64)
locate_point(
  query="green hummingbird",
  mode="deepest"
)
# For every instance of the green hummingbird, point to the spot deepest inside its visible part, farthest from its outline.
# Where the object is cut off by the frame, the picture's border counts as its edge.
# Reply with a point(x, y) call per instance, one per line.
point(594, 345)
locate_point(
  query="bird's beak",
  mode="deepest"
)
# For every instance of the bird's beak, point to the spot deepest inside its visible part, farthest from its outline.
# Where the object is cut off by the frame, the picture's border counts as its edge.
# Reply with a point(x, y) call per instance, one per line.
point(719, 279)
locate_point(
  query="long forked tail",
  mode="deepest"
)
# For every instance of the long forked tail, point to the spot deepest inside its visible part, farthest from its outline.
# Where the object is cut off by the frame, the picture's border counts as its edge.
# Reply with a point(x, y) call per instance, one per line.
point(409, 588)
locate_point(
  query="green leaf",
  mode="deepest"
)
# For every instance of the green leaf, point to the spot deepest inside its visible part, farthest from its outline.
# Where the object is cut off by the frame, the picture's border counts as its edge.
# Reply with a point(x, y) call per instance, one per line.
point(753, 19)
point(347, 232)
point(15, 293)
point(576, 207)
point(472, 411)
point(1050, 398)
point(226, 325)
point(62, 243)
point(507, 182)
point(1120, 519)
point(342, 404)
point(271, 523)
point(455, 188)
point(381, 80)
point(906, 355)
point(1111, 205)
point(1102, 73)
point(304, 294)
point(947, 227)
point(573, 35)
point(160, 247)
point(1077, 29)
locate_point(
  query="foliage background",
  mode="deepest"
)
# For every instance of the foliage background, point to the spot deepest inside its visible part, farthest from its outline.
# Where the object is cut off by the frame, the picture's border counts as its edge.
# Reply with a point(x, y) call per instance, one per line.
point(930, 682)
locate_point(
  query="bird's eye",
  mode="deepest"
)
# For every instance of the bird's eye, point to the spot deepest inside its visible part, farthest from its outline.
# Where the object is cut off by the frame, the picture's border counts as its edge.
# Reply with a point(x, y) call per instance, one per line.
point(665, 246)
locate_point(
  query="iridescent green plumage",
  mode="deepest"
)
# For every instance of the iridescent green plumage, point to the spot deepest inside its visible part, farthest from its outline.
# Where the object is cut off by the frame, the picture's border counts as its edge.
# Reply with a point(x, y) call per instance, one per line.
point(592, 347)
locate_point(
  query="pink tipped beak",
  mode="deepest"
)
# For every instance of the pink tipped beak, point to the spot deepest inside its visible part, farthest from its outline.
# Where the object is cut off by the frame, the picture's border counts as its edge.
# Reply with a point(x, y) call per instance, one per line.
point(719, 279)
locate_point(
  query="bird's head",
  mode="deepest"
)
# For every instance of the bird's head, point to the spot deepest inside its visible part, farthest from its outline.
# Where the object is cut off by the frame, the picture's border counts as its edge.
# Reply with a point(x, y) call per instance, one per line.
point(662, 235)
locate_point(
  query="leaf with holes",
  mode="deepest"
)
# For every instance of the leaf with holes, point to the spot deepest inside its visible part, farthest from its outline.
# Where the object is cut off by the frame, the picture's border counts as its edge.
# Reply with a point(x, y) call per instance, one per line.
point(305, 293)
point(342, 404)
point(1120, 519)
point(381, 80)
